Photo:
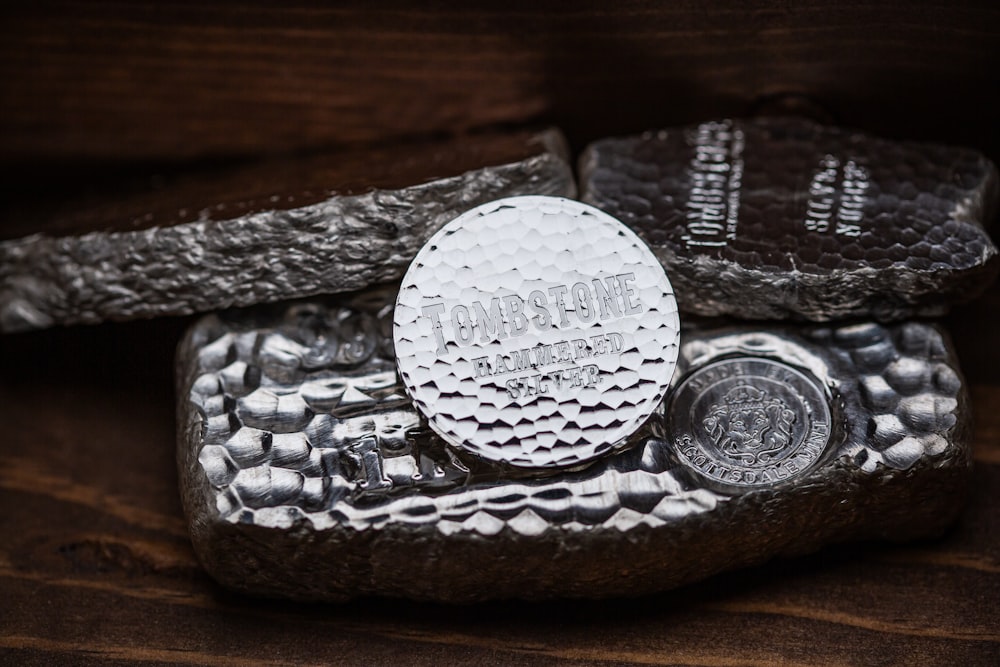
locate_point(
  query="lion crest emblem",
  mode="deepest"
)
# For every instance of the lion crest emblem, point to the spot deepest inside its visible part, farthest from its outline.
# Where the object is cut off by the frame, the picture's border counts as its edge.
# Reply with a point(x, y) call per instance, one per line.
point(749, 426)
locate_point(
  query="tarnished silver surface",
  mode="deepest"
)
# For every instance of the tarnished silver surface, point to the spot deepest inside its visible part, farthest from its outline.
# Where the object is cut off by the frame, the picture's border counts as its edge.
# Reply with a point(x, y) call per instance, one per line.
point(535, 331)
point(783, 218)
point(341, 244)
point(306, 472)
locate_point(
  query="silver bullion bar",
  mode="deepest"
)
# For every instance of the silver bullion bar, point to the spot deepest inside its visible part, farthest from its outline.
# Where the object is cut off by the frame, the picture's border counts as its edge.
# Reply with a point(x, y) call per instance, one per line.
point(306, 473)
point(775, 218)
point(202, 260)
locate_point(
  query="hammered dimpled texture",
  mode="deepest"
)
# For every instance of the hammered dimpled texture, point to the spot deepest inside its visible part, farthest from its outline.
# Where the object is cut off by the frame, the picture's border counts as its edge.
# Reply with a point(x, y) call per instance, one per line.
point(343, 243)
point(821, 223)
point(538, 390)
point(306, 472)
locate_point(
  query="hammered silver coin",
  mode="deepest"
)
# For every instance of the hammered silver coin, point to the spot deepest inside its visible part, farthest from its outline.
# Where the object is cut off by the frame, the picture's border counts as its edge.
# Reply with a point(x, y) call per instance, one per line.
point(749, 422)
point(536, 331)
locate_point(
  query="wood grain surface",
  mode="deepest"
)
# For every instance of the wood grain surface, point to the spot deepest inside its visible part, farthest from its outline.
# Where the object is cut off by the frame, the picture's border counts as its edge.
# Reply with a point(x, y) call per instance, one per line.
point(178, 80)
point(95, 563)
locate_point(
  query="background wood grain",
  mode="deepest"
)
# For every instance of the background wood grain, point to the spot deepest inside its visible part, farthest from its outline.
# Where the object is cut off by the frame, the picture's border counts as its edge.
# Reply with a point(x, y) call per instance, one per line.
point(95, 564)
point(175, 80)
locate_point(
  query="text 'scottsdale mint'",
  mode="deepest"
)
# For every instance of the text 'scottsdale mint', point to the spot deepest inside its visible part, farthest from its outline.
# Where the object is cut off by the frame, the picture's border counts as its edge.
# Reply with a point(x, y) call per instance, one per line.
point(536, 331)
point(749, 422)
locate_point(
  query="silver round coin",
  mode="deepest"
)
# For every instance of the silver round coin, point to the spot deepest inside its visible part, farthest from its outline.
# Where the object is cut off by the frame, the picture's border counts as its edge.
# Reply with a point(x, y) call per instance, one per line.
point(749, 422)
point(536, 331)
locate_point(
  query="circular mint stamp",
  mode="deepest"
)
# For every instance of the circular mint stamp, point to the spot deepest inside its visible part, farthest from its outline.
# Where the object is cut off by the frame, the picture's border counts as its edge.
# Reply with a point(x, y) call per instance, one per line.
point(749, 422)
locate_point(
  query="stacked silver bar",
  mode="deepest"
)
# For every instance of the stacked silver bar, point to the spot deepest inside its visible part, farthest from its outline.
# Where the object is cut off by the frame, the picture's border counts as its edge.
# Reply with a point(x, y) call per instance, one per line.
point(306, 472)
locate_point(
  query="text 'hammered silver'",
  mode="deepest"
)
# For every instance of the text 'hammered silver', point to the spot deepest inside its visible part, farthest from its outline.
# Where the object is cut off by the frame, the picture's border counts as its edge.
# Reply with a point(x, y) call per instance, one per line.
point(536, 331)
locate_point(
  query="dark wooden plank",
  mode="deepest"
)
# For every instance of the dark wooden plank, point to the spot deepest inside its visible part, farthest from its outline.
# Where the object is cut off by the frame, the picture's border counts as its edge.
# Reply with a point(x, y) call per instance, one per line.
point(95, 565)
point(180, 80)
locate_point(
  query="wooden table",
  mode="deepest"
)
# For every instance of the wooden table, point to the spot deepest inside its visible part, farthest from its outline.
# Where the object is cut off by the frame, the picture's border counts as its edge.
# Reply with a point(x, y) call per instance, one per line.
point(95, 564)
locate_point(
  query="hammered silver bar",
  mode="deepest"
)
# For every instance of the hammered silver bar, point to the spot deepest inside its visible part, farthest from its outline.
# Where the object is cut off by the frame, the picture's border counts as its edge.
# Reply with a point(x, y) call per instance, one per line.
point(344, 242)
point(306, 473)
point(778, 218)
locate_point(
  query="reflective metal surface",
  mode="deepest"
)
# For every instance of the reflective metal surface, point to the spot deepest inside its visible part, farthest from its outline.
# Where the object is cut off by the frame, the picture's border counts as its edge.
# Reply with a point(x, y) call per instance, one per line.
point(345, 242)
point(536, 331)
point(782, 218)
point(748, 421)
point(307, 473)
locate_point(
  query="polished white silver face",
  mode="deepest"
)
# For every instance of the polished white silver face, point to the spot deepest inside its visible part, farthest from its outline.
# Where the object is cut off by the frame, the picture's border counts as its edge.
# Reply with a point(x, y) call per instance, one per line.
point(536, 331)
